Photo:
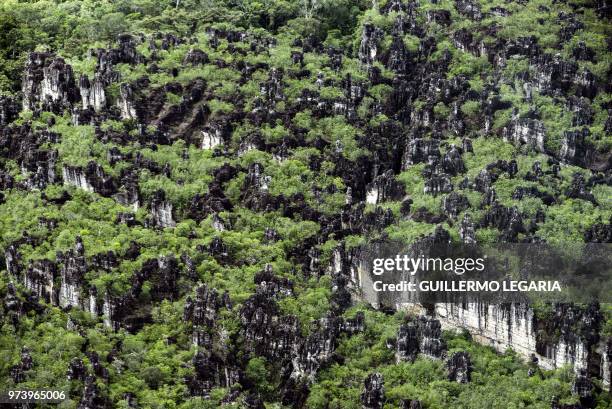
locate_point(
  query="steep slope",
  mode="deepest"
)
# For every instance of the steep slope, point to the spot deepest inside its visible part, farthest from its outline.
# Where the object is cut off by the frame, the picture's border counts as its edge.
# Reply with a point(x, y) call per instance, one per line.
point(171, 202)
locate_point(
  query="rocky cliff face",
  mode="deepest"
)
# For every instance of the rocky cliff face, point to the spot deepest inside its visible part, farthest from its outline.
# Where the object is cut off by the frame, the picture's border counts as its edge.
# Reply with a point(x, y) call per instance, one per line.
point(48, 83)
point(92, 93)
point(92, 178)
point(40, 279)
point(515, 326)
point(230, 177)
point(161, 210)
point(382, 188)
point(72, 275)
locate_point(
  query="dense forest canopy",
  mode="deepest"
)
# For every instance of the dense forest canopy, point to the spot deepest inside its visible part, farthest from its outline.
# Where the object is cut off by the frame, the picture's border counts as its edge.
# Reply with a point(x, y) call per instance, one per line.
point(180, 180)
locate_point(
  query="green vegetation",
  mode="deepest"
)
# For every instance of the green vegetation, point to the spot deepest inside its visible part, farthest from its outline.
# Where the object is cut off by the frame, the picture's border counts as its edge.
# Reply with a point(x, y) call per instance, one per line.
point(297, 213)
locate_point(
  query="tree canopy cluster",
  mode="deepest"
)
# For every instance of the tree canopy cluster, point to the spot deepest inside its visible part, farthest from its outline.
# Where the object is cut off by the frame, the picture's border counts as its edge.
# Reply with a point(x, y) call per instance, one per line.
point(310, 112)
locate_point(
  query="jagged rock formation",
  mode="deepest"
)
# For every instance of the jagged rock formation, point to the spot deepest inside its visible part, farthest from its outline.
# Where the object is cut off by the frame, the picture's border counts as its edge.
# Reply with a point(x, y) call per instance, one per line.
point(128, 193)
point(459, 367)
point(196, 56)
point(72, 275)
point(48, 83)
point(92, 179)
point(373, 395)
point(92, 93)
point(161, 210)
point(9, 109)
point(368, 48)
point(202, 311)
point(24, 145)
point(384, 187)
point(526, 131)
point(40, 279)
point(422, 336)
point(91, 398)
point(599, 233)
point(76, 370)
point(26, 363)
point(257, 162)
point(454, 203)
point(212, 137)
point(128, 310)
point(466, 230)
